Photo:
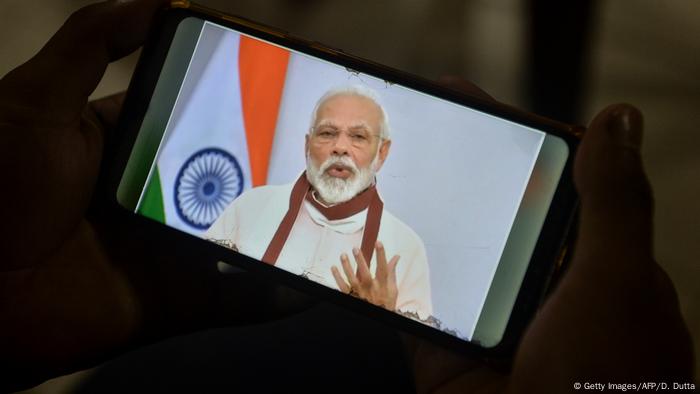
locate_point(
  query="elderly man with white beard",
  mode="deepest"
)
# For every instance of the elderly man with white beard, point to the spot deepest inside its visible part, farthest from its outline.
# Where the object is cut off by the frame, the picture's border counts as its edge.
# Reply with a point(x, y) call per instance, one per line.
point(333, 211)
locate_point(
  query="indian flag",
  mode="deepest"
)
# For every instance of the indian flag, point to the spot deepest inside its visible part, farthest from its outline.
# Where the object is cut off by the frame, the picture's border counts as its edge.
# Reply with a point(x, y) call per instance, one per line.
point(218, 140)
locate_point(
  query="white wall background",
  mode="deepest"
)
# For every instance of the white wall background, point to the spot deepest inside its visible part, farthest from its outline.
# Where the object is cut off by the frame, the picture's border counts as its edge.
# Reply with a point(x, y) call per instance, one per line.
point(454, 175)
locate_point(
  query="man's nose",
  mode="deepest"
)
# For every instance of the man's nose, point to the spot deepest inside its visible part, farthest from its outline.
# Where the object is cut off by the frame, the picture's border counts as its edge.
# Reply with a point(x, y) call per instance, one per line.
point(342, 144)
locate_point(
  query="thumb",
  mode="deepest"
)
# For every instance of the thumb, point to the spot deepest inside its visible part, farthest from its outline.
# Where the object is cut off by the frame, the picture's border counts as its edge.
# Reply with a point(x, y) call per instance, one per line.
point(616, 198)
point(57, 81)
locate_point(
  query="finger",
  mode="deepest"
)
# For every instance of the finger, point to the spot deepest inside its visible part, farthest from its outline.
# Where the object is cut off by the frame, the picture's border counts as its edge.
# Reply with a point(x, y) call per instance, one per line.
point(462, 85)
point(616, 199)
point(107, 110)
point(102, 115)
point(381, 262)
point(342, 285)
point(59, 79)
point(347, 268)
point(363, 274)
point(391, 268)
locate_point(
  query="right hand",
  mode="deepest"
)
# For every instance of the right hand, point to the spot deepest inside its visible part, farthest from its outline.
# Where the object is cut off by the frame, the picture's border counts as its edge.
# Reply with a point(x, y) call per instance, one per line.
point(614, 317)
point(380, 290)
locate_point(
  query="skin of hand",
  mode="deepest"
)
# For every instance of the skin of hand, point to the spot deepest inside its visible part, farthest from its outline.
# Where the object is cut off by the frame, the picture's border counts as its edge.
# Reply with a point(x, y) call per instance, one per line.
point(614, 316)
point(62, 301)
point(380, 290)
point(79, 284)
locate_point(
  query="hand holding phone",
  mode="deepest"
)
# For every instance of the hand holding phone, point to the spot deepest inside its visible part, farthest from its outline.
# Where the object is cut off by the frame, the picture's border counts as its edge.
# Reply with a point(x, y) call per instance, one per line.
point(593, 327)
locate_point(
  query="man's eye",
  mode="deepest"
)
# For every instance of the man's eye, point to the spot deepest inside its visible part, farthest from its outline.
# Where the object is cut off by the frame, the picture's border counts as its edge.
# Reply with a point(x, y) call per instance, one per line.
point(358, 137)
point(325, 133)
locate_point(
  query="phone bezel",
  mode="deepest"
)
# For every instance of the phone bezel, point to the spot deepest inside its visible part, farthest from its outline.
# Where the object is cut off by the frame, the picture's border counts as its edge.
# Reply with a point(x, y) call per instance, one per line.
point(547, 249)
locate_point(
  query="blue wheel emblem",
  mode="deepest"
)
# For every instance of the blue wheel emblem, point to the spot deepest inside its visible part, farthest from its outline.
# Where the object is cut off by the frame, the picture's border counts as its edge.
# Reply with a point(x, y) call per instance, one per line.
point(205, 185)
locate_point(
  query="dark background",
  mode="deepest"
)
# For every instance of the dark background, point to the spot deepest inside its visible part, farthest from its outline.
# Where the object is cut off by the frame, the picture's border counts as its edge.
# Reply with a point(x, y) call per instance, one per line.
point(563, 60)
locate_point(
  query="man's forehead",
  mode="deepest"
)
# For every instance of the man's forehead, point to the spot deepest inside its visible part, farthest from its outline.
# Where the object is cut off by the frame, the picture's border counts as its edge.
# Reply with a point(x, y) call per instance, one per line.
point(330, 122)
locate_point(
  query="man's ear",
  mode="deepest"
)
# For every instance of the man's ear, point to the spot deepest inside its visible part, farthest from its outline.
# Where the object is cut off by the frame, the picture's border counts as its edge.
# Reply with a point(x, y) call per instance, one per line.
point(306, 144)
point(383, 152)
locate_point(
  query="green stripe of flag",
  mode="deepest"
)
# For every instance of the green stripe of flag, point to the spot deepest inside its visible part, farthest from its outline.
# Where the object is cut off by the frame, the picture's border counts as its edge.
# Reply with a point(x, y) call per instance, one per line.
point(152, 203)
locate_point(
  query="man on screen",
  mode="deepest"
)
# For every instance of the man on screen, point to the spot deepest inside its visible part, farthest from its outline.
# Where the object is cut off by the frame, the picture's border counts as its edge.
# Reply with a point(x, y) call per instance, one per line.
point(330, 225)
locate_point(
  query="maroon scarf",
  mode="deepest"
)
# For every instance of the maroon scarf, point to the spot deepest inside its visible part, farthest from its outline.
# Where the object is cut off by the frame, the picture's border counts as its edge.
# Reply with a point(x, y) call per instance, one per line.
point(367, 199)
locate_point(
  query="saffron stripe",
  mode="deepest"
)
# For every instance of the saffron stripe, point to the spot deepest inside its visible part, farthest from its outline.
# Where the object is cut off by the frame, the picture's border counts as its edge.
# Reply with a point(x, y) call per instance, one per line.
point(262, 72)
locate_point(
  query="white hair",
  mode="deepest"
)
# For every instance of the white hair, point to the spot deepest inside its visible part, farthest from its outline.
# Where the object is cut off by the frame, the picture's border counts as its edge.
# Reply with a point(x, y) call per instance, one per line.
point(360, 91)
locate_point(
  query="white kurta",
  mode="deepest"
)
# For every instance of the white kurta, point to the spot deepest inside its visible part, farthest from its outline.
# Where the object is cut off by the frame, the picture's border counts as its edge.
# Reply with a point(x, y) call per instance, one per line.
point(315, 243)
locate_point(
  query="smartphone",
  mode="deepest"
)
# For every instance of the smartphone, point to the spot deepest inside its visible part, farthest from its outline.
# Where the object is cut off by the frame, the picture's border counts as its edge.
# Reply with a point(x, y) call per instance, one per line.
point(441, 214)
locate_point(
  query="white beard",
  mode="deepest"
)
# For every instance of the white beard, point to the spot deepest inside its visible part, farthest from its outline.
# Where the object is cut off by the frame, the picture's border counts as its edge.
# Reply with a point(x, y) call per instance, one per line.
point(335, 190)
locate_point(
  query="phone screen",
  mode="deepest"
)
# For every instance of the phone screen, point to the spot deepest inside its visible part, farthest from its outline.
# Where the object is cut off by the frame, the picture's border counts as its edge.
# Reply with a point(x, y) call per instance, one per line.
point(304, 164)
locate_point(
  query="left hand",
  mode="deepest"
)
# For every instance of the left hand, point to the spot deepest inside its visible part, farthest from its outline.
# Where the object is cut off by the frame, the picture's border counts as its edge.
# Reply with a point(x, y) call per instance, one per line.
point(66, 300)
point(380, 290)
point(80, 281)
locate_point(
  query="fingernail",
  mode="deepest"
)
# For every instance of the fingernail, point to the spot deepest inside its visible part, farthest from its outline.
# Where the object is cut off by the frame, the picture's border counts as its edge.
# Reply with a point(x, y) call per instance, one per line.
point(355, 251)
point(626, 124)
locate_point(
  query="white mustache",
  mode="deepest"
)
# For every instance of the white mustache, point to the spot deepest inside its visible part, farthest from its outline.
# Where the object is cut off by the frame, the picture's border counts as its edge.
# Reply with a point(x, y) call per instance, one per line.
point(344, 161)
